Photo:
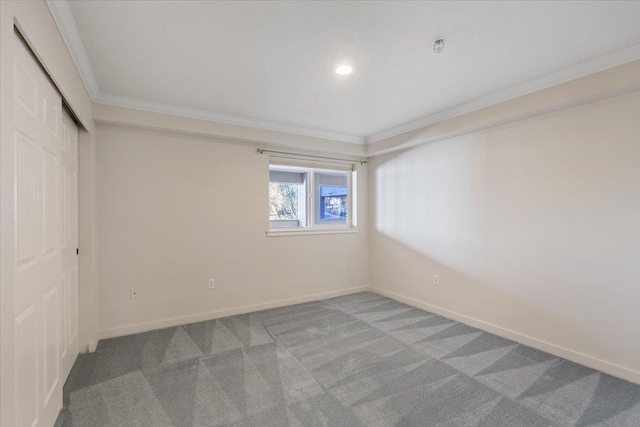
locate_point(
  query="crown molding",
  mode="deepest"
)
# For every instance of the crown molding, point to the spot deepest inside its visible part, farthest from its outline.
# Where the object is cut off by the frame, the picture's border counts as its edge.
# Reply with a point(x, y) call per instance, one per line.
point(66, 24)
point(63, 18)
point(585, 68)
point(195, 113)
point(612, 83)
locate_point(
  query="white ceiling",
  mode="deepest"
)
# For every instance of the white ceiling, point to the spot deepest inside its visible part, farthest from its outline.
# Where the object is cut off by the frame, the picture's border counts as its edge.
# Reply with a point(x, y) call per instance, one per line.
point(270, 64)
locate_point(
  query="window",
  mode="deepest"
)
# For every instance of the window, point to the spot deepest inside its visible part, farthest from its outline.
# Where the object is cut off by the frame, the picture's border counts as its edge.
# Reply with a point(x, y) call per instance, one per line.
point(331, 196)
point(288, 196)
point(310, 198)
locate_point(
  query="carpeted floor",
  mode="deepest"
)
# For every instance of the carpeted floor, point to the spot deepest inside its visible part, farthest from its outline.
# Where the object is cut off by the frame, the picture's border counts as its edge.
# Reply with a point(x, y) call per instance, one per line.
point(357, 360)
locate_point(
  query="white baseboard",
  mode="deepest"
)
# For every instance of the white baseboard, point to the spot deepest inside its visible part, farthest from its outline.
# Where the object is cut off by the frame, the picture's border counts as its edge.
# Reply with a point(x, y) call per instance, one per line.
point(176, 321)
point(583, 359)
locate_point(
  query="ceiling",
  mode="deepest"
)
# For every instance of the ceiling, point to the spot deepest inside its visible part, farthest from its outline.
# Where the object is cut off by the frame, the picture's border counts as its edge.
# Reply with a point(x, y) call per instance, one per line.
point(271, 64)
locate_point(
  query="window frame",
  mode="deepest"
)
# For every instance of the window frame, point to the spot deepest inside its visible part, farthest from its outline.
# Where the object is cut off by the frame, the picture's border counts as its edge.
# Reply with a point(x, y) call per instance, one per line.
point(305, 184)
point(313, 201)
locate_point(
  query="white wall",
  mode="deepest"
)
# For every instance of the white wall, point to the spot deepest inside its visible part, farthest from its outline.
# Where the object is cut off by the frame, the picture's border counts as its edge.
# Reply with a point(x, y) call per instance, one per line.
point(174, 211)
point(533, 227)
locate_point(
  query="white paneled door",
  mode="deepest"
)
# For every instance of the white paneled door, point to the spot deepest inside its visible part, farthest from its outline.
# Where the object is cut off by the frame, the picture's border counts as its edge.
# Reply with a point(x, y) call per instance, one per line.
point(69, 228)
point(45, 264)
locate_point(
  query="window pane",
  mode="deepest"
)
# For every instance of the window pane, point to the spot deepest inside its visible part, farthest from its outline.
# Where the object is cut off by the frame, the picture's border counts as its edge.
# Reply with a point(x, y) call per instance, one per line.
point(287, 198)
point(331, 197)
point(333, 202)
point(283, 201)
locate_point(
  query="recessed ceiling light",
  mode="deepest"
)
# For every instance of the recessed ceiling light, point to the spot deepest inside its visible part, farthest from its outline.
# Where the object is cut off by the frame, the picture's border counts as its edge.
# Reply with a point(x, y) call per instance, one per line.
point(344, 70)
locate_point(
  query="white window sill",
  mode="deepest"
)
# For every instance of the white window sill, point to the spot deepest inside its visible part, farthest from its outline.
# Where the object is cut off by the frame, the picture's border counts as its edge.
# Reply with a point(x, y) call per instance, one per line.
point(303, 232)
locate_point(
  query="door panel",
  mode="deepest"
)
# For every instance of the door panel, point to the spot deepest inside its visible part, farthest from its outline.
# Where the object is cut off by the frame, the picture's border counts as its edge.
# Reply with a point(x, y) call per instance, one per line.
point(73, 310)
point(51, 104)
point(51, 343)
point(26, 345)
point(25, 87)
point(69, 223)
point(44, 348)
point(50, 184)
point(25, 167)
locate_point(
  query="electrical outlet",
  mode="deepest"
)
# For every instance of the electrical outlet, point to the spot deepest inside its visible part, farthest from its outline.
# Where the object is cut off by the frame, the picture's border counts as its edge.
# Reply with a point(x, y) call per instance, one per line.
point(348, 268)
point(436, 280)
point(133, 293)
point(212, 284)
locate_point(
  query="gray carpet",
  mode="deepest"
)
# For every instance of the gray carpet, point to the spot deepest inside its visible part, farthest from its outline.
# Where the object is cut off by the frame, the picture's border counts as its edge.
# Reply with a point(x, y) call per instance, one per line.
point(357, 360)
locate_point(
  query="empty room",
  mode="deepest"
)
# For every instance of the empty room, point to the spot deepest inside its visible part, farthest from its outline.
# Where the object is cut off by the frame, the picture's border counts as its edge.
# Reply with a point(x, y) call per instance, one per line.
point(319, 213)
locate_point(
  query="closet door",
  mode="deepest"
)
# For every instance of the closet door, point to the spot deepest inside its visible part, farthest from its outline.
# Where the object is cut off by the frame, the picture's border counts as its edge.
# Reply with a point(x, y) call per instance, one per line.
point(37, 252)
point(69, 227)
